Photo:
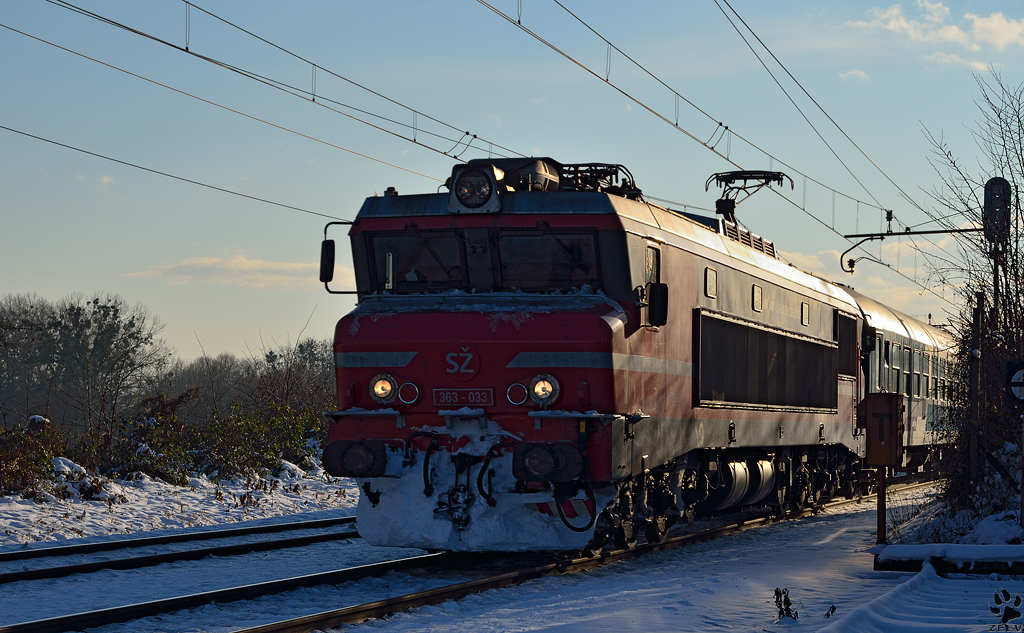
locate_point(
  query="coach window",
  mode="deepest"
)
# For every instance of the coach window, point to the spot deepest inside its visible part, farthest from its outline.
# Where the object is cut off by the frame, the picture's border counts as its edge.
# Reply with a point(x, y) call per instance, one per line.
point(710, 282)
point(894, 367)
point(880, 369)
point(929, 379)
point(805, 313)
point(756, 298)
point(845, 328)
point(907, 372)
point(943, 384)
point(884, 367)
point(918, 362)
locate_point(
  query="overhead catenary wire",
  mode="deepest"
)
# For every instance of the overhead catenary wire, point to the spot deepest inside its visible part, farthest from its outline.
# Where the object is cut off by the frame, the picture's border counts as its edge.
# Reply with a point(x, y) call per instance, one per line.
point(720, 129)
point(798, 109)
point(689, 134)
point(223, 107)
point(412, 110)
point(827, 115)
point(833, 121)
point(724, 130)
point(311, 94)
point(169, 175)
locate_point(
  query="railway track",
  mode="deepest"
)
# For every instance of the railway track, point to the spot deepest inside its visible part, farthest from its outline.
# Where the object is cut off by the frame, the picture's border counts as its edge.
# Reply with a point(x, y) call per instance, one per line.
point(136, 562)
point(106, 546)
point(382, 608)
point(446, 561)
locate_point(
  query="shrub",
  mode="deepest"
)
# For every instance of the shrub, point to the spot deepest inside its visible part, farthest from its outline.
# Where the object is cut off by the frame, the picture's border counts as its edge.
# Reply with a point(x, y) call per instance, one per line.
point(26, 456)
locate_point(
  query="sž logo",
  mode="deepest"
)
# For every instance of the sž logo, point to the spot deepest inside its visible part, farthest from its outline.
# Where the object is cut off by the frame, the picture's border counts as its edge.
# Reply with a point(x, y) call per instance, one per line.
point(461, 362)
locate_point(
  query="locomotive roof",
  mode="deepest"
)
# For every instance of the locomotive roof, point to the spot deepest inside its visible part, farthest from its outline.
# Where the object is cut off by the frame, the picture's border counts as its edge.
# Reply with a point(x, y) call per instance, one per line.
point(561, 203)
point(691, 229)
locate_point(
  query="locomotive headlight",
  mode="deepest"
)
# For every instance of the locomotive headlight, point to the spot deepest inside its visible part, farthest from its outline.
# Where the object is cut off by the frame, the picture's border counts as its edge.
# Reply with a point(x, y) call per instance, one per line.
point(544, 389)
point(383, 388)
point(473, 188)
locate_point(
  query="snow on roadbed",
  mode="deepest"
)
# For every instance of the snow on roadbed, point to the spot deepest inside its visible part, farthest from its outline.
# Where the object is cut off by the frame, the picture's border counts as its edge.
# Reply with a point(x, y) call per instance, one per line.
point(149, 505)
point(727, 584)
point(929, 602)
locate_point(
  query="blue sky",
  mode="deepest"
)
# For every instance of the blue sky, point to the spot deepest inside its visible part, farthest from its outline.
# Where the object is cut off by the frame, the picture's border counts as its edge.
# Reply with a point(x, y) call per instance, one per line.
point(227, 274)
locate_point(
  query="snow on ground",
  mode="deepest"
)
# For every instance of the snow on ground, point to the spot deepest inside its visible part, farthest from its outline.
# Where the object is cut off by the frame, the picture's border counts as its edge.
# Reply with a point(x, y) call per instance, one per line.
point(46, 598)
point(725, 584)
point(150, 505)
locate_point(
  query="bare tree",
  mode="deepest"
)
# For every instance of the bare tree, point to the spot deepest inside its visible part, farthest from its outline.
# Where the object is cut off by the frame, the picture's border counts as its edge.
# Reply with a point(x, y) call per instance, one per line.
point(82, 362)
point(26, 373)
point(999, 136)
point(994, 267)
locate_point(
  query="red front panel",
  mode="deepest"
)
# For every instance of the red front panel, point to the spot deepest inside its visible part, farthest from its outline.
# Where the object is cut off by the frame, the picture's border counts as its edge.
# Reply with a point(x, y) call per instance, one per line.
point(472, 359)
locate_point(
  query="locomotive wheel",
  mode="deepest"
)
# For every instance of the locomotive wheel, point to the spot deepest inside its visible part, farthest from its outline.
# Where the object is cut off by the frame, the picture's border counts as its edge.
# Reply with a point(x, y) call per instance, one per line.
point(596, 545)
point(799, 501)
point(848, 490)
point(813, 496)
point(625, 535)
point(781, 495)
point(656, 529)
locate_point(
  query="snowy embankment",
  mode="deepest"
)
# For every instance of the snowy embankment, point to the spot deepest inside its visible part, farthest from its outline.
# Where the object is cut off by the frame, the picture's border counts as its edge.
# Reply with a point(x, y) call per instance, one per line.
point(77, 505)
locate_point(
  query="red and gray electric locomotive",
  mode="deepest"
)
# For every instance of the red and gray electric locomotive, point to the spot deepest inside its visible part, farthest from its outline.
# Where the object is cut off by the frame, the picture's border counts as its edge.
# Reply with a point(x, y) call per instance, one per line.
point(541, 359)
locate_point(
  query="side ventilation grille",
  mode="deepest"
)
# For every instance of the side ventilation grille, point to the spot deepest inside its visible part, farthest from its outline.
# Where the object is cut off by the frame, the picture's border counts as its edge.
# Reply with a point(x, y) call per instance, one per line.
point(745, 237)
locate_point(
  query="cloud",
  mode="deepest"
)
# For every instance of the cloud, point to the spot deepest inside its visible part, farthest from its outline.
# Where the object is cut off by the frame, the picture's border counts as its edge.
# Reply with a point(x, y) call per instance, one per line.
point(809, 263)
point(997, 30)
point(495, 118)
point(947, 58)
point(854, 73)
point(248, 273)
point(933, 26)
point(106, 180)
point(629, 108)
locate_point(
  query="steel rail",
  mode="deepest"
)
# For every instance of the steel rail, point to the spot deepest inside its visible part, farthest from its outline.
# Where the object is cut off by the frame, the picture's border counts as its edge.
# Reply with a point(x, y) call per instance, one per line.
point(126, 613)
point(381, 608)
point(105, 546)
point(136, 562)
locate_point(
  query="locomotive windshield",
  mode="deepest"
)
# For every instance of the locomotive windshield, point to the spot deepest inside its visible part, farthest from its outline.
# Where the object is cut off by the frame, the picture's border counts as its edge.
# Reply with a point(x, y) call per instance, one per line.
point(534, 260)
point(418, 261)
point(541, 260)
